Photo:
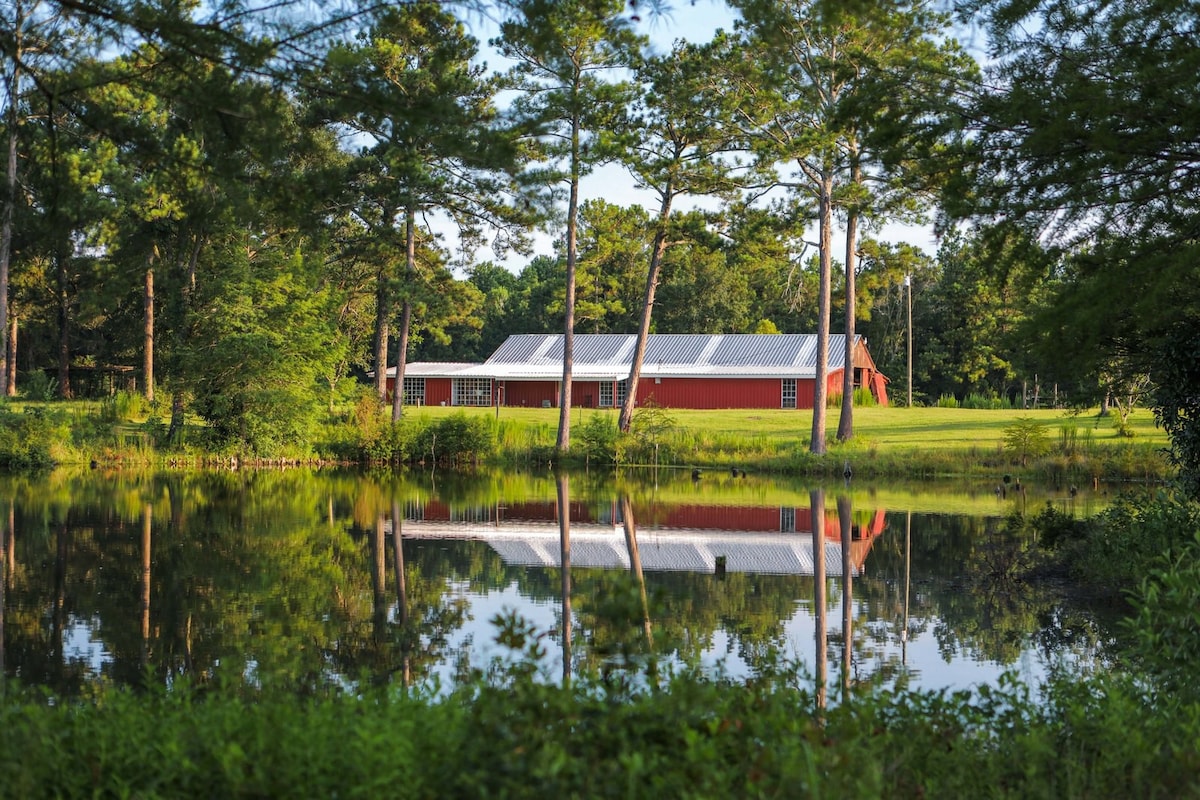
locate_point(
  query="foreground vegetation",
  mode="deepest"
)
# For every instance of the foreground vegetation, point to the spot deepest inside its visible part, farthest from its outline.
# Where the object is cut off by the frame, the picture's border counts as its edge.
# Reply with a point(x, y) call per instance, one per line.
point(690, 737)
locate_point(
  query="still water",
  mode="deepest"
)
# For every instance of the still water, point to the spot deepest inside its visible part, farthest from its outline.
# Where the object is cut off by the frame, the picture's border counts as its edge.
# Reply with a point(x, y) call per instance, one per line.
point(296, 576)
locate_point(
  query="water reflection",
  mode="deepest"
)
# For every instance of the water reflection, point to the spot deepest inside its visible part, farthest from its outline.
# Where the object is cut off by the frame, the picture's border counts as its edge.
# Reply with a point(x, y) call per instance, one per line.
point(289, 577)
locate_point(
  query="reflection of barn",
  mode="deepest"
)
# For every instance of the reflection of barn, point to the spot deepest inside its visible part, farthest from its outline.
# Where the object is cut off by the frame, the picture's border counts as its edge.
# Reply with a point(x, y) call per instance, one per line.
point(679, 371)
point(755, 539)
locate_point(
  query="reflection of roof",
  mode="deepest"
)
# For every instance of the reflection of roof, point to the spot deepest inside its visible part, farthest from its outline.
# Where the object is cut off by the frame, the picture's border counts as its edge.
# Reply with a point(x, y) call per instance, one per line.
point(604, 546)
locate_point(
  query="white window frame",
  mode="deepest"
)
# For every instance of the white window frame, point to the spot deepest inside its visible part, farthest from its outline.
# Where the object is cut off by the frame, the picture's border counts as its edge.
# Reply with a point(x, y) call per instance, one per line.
point(471, 392)
point(414, 391)
point(788, 393)
point(606, 394)
point(622, 392)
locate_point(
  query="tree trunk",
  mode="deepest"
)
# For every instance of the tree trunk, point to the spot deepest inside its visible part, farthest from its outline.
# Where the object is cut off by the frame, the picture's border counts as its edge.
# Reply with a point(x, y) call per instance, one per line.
point(564, 539)
point(148, 334)
point(846, 523)
point(846, 420)
point(820, 389)
point(639, 351)
point(383, 310)
point(10, 202)
point(410, 269)
point(64, 322)
point(564, 398)
point(147, 518)
point(11, 357)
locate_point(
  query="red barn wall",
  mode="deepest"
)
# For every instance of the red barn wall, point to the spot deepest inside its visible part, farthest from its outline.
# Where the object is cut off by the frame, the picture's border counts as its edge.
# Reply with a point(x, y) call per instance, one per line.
point(532, 394)
point(714, 392)
point(879, 388)
point(437, 391)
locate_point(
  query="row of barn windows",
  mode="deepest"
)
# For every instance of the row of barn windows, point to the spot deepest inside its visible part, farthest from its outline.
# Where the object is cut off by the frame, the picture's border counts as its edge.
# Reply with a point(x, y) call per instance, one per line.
point(478, 392)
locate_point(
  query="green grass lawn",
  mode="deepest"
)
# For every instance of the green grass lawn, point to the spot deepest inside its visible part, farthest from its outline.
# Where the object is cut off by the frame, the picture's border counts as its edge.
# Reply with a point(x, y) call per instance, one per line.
point(893, 429)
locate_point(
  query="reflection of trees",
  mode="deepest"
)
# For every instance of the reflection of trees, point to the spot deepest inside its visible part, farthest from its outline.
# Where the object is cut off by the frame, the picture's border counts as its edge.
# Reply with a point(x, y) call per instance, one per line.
point(281, 576)
point(969, 584)
point(247, 578)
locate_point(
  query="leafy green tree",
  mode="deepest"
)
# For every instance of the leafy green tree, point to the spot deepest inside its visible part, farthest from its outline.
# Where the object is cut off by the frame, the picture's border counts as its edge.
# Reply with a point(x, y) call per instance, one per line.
point(683, 147)
point(972, 318)
point(565, 52)
point(1089, 136)
point(428, 114)
point(793, 82)
point(612, 250)
point(896, 122)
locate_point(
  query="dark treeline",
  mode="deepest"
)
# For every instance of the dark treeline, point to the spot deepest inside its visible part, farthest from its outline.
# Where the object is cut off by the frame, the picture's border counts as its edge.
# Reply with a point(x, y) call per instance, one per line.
point(242, 213)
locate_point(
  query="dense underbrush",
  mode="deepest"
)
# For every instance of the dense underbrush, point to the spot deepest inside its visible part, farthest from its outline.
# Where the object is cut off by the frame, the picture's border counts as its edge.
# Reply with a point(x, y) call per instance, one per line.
point(515, 734)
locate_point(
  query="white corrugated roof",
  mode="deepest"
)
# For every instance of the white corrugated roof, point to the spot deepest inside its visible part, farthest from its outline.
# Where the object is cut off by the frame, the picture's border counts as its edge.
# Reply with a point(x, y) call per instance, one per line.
point(539, 355)
point(609, 356)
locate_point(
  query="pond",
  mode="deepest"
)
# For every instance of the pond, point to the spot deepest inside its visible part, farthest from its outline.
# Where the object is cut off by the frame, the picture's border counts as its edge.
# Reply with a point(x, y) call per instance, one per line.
point(295, 576)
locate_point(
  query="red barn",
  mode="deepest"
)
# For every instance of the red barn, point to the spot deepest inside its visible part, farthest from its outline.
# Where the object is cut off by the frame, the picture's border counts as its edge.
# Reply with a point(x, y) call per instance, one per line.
point(679, 371)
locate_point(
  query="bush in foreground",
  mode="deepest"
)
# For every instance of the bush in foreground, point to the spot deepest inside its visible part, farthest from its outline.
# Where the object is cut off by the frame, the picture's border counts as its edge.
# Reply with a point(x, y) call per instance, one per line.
point(512, 733)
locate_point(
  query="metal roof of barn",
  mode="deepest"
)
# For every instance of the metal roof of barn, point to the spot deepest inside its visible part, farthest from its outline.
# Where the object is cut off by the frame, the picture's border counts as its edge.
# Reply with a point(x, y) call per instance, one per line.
point(677, 355)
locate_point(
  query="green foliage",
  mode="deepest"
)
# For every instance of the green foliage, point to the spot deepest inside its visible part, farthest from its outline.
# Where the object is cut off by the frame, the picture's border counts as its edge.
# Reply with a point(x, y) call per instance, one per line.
point(989, 400)
point(947, 401)
point(516, 733)
point(597, 439)
point(457, 440)
point(1176, 402)
point(1165, 626)
point(39, 385)
point(650, 433)
point(864, 398)
point(123, 406)
point(28, 440)
point(1025, 439)
point(1113, 551)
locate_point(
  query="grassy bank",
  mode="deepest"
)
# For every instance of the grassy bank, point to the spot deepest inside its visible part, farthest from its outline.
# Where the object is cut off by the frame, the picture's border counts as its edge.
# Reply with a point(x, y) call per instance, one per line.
point(1053, 445)
point(888, 442)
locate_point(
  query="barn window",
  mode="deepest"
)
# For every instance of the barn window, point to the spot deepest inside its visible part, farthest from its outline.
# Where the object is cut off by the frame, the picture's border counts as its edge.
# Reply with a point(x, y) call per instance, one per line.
point(622, 392)
point(789, 393)
point(787, 520)
point(606, 394)
point(471, 392)
point(414, 391)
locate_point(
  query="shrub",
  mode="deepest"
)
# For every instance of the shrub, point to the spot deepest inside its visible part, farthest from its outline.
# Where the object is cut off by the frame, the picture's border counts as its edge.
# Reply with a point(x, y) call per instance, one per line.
point(27, 440)
point(1026, 438)
point(598, 439)
point(39, 386)
point(1120, 546)
point(864, 397)
point(456, 441)
point(947, 401)
point(1165, 626)
point(991, 400)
